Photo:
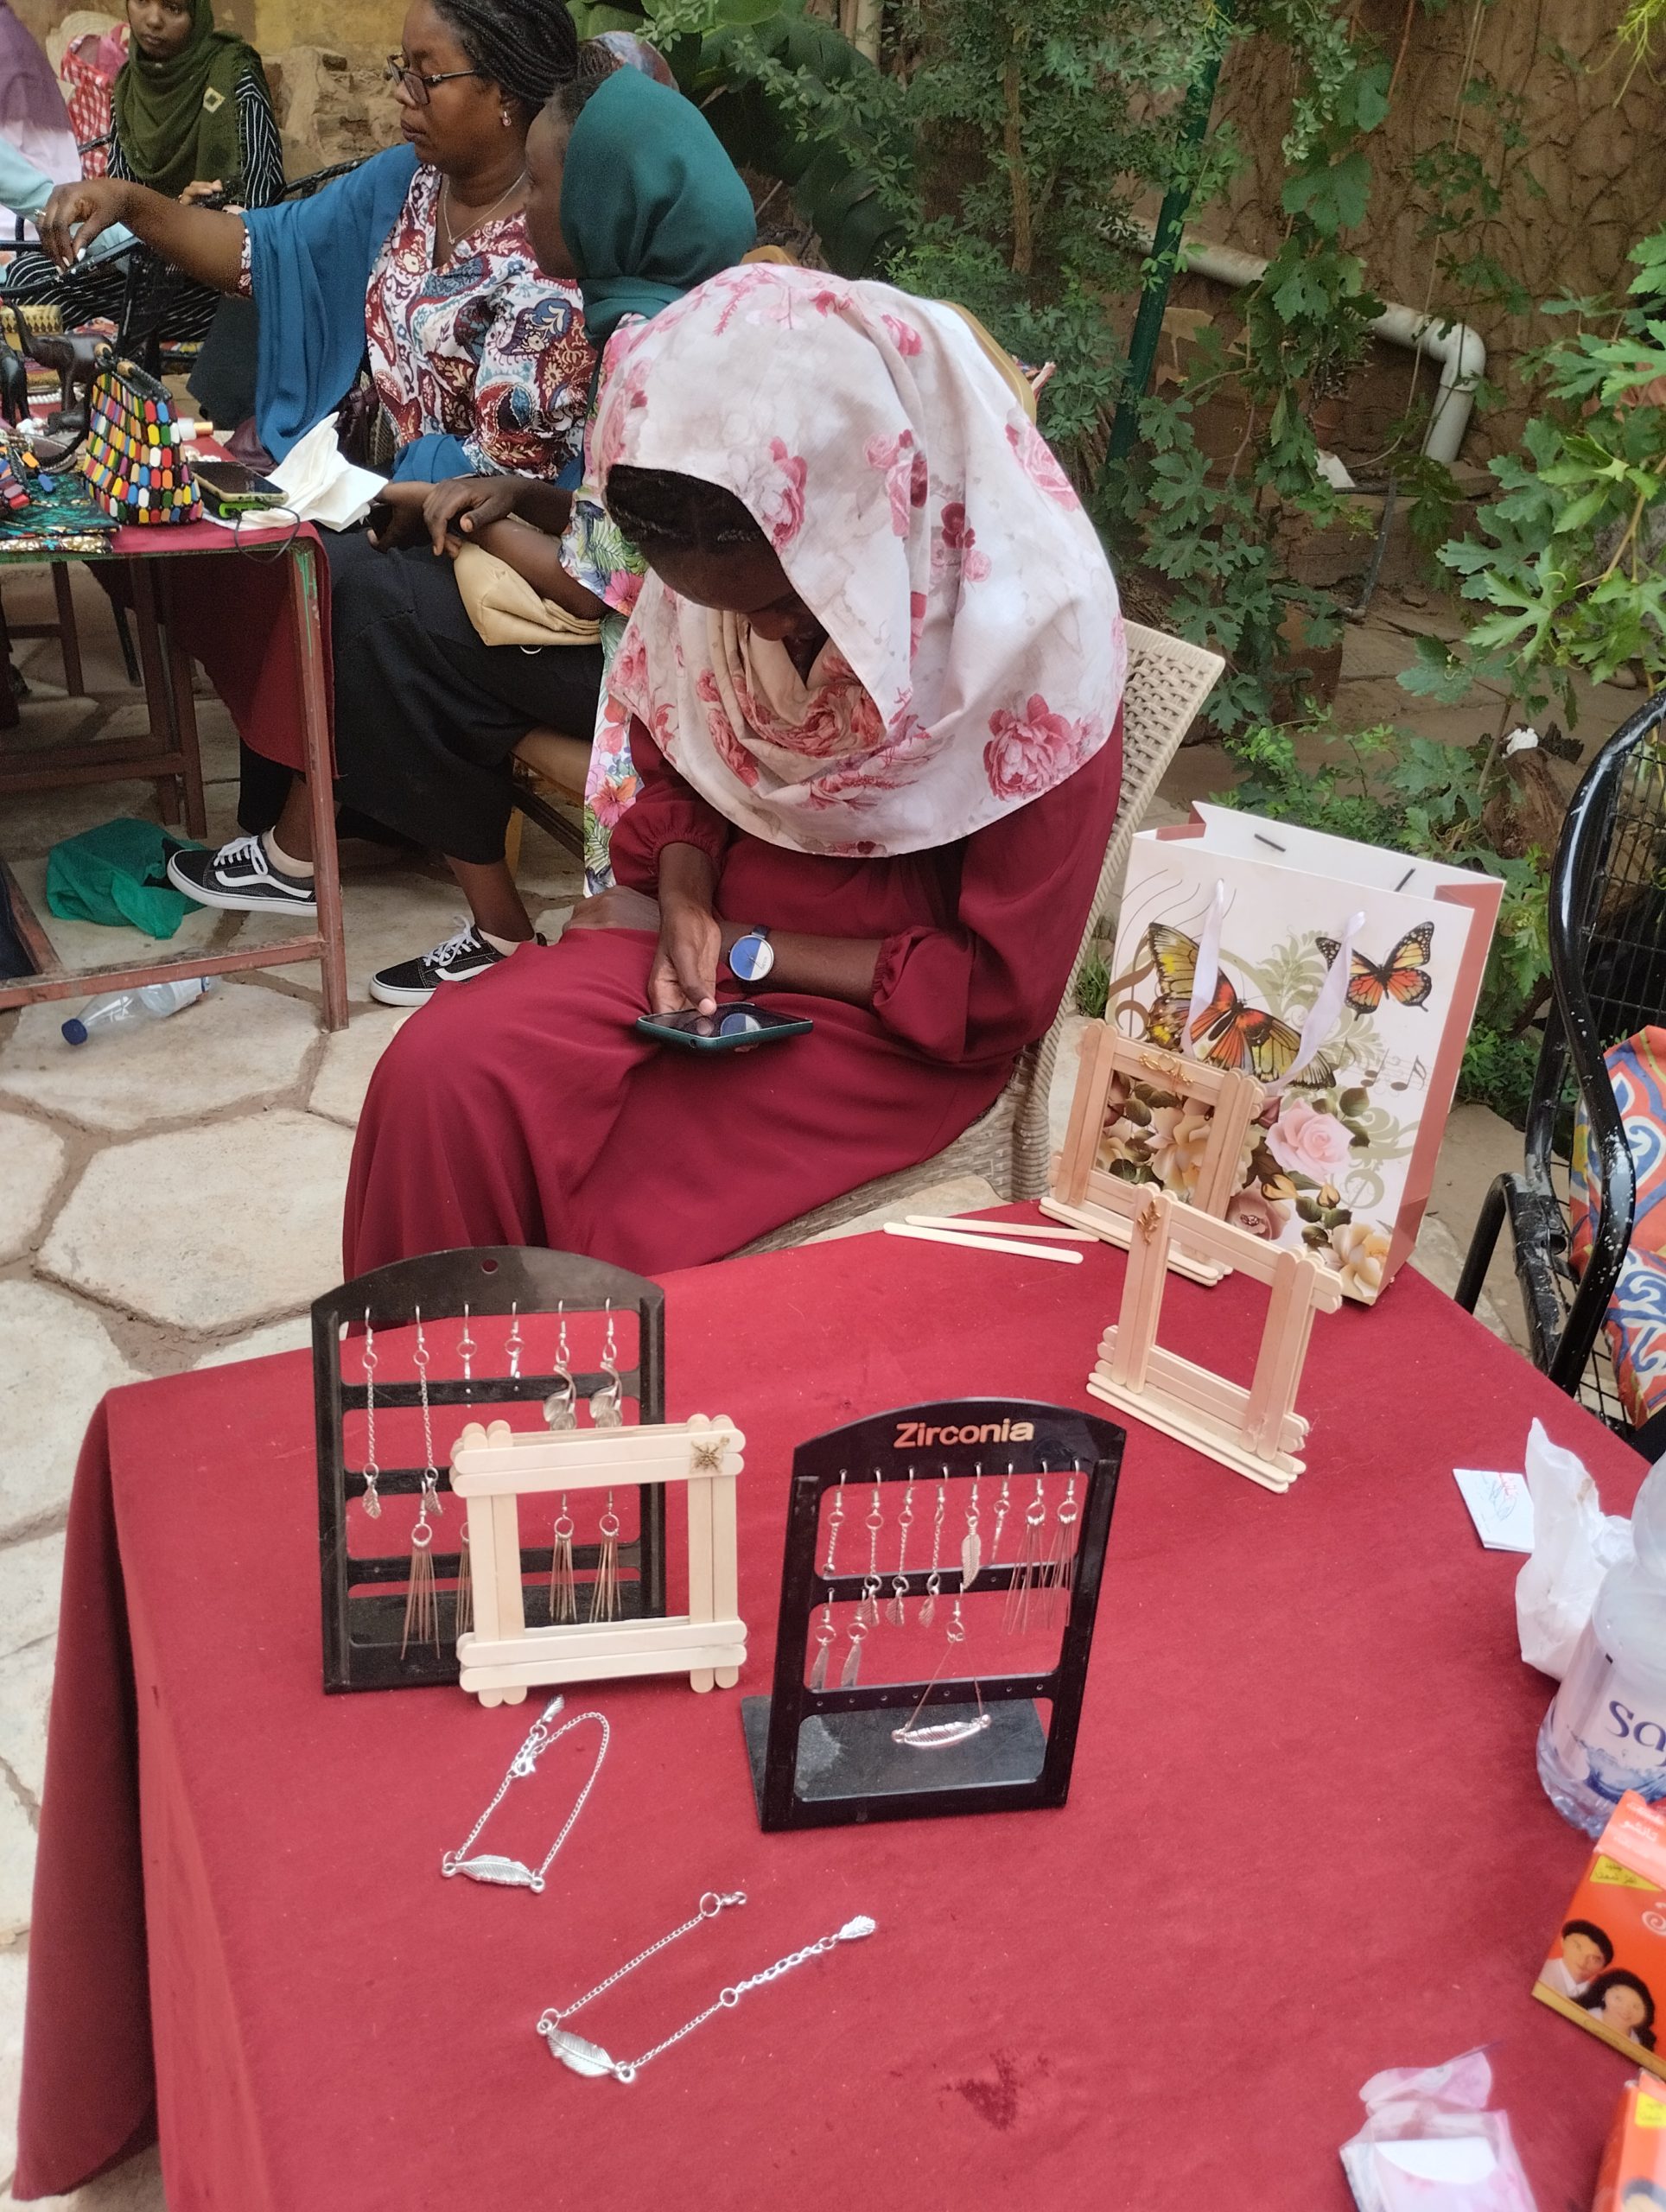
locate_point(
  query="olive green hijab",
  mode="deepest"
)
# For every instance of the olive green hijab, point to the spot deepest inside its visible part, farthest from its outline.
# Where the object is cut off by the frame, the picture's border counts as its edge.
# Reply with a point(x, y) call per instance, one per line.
point(651, 205)
point(177, 120)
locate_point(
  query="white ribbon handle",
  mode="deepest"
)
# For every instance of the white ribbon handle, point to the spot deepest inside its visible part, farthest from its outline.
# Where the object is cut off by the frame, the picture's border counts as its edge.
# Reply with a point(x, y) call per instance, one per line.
point(1326, 1009)
point(1206, 974)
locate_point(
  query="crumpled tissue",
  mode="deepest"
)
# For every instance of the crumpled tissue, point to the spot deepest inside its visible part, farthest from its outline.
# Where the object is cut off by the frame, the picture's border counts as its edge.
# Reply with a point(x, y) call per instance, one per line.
point(320, 485)
point(1575, 1544)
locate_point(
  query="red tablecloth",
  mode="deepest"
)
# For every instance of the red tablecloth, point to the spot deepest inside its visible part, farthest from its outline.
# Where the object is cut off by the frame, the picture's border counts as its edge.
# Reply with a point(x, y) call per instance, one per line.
point(1304, 1839)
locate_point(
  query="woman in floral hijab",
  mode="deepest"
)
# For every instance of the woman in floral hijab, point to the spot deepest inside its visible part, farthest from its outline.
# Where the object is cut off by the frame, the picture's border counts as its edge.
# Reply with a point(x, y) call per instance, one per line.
point(874, 686)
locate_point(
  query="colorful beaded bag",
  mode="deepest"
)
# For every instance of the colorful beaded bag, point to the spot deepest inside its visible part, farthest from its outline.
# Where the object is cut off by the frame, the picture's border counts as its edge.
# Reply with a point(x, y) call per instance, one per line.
point(135, 465)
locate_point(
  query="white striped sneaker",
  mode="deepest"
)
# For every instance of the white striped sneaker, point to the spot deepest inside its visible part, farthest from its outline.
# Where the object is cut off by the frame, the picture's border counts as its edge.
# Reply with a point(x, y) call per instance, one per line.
point(240, 876)
point(464, 955)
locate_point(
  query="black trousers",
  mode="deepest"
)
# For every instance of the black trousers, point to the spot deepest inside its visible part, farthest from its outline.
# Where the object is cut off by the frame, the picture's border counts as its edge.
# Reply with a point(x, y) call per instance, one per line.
point(426, 717)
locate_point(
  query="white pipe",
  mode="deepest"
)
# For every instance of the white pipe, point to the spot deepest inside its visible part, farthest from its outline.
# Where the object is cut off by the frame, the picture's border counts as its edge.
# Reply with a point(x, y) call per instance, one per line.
point(1458, 350)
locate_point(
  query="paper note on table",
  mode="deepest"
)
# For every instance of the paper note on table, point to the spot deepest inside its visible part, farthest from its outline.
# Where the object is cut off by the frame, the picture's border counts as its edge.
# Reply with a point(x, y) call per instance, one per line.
point(1501, 1506)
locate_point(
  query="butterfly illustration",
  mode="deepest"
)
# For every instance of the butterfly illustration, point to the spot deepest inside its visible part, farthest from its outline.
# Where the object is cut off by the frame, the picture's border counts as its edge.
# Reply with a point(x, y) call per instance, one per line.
point(1399, 977)
point(1227, 1032)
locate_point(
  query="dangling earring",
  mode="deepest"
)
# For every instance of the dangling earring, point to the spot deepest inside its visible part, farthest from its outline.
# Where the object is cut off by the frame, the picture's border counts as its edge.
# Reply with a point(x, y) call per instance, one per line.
point(1058, 1576)
point(373, 1496)
point(504, 117)
point(422, 1613)
point(604, 1594)
point(604, 1405)
point(467, 1347)
point(561, 1407)
point(462, 1617)
point(1026, 1584)
point(937, 1736)
point(563, 1597)
point(514, 1342)
point(824, 1633)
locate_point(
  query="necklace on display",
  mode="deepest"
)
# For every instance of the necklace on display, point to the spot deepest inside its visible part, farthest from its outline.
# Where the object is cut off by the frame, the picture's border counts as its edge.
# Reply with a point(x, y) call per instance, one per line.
point(589, 2058)
point(512, 1874)
point(453, 238)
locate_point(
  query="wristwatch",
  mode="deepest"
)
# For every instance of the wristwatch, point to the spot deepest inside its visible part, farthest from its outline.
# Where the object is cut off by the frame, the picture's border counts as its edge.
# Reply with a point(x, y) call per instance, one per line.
point(751, 957)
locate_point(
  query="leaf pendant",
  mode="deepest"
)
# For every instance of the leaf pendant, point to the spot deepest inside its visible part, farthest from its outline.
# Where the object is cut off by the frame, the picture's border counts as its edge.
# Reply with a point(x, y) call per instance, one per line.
point(818, 1667)
point(928, 1610)
point(509, 1873)
point(971, 1558)
point(587, 2058)
point(852, 1665)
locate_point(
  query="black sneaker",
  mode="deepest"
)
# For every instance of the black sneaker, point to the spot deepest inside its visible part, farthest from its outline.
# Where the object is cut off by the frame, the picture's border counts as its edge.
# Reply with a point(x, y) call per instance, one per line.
point(463, 955)
point(240, 876)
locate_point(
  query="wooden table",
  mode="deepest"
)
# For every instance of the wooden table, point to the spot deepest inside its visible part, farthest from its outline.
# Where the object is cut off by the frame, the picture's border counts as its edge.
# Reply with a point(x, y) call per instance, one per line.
point(167, 754)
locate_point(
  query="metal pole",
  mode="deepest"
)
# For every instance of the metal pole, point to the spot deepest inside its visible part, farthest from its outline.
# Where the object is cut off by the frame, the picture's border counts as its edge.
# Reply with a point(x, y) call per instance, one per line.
point(1166, 244)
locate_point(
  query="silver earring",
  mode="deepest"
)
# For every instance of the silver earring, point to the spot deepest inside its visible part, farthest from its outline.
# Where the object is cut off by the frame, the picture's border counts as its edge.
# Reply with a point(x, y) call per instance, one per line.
point(422, 1611)
point(561, 1407)
point(467, 1347)
point(605, 1405)
point(514, 1342)
point(504, 117)
point(373, 1496)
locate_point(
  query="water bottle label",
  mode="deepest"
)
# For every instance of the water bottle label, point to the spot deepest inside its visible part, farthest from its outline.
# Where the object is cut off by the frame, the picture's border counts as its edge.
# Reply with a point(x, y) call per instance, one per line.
point(1607, 1732)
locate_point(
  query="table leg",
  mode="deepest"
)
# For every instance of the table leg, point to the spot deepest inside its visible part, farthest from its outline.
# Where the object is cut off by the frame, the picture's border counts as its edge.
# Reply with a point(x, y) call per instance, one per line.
point(69, 638)
point(184, 717)
point(156, 682)
point(9, 715)
point(316, 752)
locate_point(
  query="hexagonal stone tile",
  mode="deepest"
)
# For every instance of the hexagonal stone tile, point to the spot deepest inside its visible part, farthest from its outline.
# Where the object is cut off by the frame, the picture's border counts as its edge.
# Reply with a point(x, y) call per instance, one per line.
point(211, 1227)
point(25, 1698)
point(31, 1583)
point(56, 1361)
point(33, 1159)
point(241, 1043)
point(350, 1058)
point(292, 1335)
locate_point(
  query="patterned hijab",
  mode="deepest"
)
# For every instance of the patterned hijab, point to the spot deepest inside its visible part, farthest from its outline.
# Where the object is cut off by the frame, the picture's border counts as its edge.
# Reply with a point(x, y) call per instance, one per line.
point(177, 120)
point(975, 656)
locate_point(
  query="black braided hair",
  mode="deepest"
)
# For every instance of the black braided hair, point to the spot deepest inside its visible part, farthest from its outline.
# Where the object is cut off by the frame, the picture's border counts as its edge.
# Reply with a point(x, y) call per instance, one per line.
point(661, 510)
point(527, 48)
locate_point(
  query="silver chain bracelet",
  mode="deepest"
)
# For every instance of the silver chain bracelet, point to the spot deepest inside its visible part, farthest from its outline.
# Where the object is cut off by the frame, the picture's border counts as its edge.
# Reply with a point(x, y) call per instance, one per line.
point(513, 1873)
point(590, 2059)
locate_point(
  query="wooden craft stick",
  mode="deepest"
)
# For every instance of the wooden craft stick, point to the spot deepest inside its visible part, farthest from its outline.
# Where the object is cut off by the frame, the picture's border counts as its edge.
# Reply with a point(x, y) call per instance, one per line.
point(978, 1228)
point(1012, 1250)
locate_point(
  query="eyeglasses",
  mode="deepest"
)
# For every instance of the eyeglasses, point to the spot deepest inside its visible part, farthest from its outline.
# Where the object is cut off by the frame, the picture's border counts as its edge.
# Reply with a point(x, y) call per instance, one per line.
point(416, 85)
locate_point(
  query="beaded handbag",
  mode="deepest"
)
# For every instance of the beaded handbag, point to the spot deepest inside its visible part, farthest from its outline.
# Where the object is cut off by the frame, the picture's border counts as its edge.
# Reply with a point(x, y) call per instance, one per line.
point(135, 465)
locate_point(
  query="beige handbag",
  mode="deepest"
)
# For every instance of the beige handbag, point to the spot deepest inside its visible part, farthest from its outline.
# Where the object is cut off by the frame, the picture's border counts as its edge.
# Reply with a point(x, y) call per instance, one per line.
point(507, 610)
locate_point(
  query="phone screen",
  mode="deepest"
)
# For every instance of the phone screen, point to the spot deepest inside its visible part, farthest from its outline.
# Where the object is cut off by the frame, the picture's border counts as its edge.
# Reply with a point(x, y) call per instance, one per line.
point(733, 1026)
point(233, 479)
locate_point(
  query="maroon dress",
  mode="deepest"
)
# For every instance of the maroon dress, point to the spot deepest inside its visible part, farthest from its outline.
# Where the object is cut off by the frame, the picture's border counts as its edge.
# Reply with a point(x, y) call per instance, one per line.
point(524, 1109)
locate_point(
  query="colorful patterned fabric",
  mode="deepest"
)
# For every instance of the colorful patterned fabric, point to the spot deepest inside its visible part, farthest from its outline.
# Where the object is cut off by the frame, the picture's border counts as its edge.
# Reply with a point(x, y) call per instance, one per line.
point(486, 350)
point(88, 72)
point(975, 654)
point(1636, 1313)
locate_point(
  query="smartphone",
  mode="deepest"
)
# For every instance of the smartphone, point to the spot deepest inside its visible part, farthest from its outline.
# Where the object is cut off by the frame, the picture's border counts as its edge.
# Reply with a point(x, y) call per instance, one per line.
point(230, 489)
point(731, 1027)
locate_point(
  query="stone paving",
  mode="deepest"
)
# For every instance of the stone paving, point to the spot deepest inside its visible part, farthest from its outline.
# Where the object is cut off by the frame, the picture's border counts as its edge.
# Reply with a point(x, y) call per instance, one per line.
point(170, 1196)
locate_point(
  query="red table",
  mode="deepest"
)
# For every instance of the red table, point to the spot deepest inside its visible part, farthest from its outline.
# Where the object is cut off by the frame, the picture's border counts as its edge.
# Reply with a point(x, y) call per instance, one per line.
point(1305, 1840)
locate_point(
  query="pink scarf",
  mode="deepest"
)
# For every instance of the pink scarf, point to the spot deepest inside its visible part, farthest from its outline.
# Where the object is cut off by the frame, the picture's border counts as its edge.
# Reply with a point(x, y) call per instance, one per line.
point(976, 656)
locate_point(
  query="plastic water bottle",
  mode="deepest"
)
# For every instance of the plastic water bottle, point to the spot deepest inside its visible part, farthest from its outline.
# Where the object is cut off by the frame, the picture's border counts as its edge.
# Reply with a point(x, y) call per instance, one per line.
point(151, 1002)
point(1606, 1730)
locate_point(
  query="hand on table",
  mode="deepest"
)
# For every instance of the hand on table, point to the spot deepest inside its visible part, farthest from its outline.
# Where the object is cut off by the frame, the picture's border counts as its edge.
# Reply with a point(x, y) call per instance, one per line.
point(77, 213)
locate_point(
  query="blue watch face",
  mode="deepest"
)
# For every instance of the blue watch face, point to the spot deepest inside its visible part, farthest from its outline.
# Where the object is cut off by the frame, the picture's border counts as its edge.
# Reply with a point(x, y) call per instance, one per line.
point(750, 958)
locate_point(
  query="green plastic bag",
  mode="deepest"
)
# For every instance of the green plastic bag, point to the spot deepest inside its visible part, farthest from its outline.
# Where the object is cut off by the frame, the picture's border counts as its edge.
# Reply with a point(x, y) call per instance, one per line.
point(117, 874)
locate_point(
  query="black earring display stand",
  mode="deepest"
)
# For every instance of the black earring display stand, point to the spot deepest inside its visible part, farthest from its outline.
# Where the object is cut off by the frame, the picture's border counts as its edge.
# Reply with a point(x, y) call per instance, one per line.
point(823, 1759)
point(362, 1627)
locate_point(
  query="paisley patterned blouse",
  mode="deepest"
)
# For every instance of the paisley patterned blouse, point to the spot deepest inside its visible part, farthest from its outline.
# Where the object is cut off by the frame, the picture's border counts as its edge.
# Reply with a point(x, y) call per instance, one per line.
point(486, 350)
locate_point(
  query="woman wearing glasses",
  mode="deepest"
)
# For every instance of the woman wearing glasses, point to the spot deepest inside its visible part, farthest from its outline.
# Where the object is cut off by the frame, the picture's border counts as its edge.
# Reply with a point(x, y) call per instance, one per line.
point(419, 258)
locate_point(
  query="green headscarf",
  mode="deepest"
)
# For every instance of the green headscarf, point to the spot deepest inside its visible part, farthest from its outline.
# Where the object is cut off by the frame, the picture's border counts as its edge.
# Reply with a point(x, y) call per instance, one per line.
point(651, 205)
point(177, 120)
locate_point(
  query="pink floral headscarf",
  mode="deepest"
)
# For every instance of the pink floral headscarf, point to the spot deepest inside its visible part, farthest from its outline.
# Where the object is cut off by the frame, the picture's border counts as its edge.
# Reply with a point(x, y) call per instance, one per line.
point(976, 655)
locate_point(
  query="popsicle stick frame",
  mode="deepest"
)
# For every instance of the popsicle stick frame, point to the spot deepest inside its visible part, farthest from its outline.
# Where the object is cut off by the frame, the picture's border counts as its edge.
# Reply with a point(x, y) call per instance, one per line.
point(1088, 1196)
point(492, 1292)
point(1257, 1431)
point(494, 1469)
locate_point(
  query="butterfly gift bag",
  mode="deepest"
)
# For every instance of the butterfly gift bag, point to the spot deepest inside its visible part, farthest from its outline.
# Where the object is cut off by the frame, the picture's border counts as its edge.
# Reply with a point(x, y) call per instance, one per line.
point(1342, 977)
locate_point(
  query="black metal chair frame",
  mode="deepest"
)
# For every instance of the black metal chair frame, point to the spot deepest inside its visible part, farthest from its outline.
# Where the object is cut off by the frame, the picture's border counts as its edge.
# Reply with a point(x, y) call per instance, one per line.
point(1565, 1310)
